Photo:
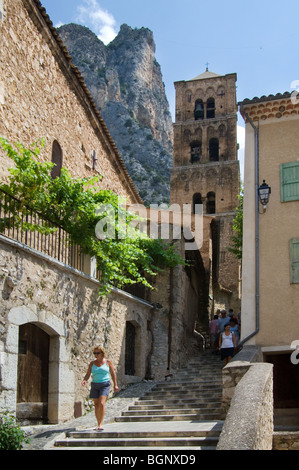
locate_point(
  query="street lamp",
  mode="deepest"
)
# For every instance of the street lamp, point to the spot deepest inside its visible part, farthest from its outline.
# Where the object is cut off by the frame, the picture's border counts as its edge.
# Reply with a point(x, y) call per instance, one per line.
point(264, 192)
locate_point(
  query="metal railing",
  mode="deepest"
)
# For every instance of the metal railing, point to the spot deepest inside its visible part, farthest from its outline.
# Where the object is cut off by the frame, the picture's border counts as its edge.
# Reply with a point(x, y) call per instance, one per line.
point(19, 222)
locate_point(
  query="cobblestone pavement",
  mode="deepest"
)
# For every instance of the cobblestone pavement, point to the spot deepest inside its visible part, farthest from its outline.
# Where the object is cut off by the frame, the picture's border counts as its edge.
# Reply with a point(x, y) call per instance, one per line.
point(42, 436)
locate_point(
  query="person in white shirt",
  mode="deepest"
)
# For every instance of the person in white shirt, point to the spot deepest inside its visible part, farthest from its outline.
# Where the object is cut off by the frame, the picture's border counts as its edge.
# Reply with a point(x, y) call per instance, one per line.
point(227, 344)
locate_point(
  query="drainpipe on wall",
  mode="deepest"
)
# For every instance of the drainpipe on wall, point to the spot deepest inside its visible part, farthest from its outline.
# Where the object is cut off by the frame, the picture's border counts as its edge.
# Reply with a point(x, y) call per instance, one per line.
point(257, 275)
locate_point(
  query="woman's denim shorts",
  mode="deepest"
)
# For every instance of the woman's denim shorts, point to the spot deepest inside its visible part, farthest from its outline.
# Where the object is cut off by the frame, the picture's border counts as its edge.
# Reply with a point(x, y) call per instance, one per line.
point(99, 389)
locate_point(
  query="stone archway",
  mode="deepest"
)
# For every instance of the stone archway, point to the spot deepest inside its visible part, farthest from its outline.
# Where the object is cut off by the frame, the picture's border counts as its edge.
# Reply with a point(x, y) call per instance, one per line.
point(61, 388)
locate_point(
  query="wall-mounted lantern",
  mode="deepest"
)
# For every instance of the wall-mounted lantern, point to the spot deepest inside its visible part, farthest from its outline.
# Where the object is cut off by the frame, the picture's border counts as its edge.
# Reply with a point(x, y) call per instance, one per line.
point(264, 192)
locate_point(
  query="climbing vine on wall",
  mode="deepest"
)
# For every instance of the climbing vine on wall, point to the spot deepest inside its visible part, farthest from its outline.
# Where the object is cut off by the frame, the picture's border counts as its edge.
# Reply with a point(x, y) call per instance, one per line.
point(73, 203)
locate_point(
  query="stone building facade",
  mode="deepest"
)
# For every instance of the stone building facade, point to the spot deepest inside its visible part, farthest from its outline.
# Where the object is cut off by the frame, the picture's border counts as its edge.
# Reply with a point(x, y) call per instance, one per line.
point(270, 282)
point(51, 318)
point(51, 315)
point(43, 96)
point(206, 169)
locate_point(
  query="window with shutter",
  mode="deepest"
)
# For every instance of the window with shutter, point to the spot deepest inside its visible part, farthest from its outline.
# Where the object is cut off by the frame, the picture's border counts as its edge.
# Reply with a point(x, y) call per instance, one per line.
point(294, 260)
point(289, 176)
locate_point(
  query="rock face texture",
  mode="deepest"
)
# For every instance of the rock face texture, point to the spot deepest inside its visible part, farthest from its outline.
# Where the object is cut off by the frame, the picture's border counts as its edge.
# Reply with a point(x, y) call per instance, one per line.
point(126, 84)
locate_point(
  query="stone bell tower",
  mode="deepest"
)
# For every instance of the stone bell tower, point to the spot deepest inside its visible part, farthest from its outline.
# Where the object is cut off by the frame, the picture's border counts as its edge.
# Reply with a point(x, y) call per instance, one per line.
point(206, 169)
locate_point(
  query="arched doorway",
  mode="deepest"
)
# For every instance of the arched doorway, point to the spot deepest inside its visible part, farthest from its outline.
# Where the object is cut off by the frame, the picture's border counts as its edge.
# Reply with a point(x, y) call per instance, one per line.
point(211, 203)
point(198, 110)
point(130, 349)
point(214, 150)
point(195, 150)
point(196, 200)
point(210, 108)
point(60, 390)
point(33, 373)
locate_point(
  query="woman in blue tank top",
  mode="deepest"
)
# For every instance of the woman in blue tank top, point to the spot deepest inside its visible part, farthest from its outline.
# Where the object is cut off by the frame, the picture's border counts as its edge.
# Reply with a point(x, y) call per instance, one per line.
point(100, 370)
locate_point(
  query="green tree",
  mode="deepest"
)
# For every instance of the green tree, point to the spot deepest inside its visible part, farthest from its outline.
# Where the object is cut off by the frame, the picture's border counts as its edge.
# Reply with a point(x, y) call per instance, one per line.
point(73, 203)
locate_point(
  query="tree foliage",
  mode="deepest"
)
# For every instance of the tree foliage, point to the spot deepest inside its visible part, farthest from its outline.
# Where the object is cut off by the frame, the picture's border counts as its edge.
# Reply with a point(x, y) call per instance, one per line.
point(237, 239)
point(73, 204)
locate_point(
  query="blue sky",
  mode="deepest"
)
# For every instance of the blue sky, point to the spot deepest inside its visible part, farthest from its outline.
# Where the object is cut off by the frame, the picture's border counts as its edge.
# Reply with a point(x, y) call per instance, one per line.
point(257, 39)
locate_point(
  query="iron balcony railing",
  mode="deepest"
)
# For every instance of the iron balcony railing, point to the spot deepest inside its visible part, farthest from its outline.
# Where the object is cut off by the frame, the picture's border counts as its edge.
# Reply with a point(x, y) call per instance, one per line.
point(19, 225)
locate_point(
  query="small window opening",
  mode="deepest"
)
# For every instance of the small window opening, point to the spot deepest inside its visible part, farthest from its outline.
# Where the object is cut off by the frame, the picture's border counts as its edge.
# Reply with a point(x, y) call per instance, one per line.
point(211, 203)
point(210, 108)
point(214, 150)
point(195, 151)
point(197, 199)
point(198, 110)
point(56, 159)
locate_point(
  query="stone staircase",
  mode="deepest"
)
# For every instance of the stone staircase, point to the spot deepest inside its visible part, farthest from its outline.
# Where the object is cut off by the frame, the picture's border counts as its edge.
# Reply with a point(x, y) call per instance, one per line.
point(182, 413)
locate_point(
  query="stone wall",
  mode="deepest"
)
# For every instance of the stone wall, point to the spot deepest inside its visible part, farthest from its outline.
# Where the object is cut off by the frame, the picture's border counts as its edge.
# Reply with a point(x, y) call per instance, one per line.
point(66, 305)
point(235, 370)
point(178, 296)
point(223, 90)
point(211, 178)
point(42, 95)
point(286, 440)
point(248, 404)
point(221, 178)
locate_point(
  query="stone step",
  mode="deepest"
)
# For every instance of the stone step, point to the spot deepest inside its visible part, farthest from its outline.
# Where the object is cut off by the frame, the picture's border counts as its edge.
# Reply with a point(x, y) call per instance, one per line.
point(186, 393)
point(131, 449)
point(195, 374)
point(171, 405)
point(187, 385)
point(202, 365)
point(138, 442)
point(169, 411)
point(198, 373)
point(198, 379)
point(178, 402)
point(171, 417)
point(201, 384)
point(181, 413)
point(181, 435)
point(199, 431)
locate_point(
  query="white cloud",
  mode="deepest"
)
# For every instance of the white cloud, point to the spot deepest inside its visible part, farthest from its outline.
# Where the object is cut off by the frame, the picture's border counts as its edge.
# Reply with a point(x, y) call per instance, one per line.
point(60, 23)
point(100, 21)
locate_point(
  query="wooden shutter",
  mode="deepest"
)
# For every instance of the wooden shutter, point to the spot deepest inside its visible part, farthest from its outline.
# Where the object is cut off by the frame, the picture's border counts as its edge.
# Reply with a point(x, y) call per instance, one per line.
point(289, 176)
point(294, 258)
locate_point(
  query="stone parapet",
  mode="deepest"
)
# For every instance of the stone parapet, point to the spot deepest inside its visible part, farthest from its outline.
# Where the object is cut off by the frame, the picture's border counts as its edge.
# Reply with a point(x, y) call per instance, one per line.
point(249, 420)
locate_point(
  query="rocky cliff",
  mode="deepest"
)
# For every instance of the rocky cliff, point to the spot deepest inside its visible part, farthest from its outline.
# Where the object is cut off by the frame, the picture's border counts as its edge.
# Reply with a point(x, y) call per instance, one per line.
point(126, 84)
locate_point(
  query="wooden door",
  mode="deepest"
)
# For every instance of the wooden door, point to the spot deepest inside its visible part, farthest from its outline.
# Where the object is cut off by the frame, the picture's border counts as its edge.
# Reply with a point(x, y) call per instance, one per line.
point(33, 365)
point(285, 381)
